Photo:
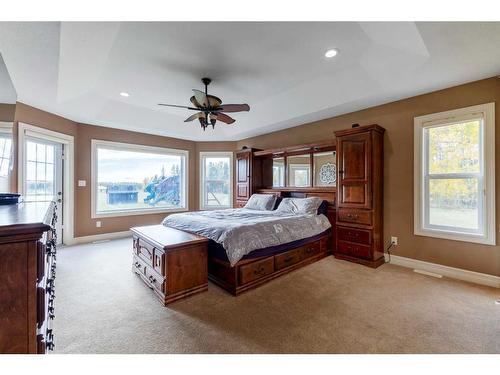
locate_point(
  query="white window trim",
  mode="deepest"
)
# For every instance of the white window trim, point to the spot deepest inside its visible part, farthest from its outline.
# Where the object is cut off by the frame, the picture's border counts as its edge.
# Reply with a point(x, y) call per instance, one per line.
point(95, 143)
point(224, 154)
point(69, 166)
point(487, 112)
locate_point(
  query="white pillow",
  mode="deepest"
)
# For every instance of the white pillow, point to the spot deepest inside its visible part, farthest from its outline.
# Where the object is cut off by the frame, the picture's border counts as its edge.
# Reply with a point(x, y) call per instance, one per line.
point(300, 205)
point(261, 202)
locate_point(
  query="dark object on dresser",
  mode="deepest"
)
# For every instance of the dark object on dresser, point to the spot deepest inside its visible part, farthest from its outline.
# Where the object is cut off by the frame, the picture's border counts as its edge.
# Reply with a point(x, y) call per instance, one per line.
point(359, 195)
point(9, 198)
point(27, 277)
point(171, 262)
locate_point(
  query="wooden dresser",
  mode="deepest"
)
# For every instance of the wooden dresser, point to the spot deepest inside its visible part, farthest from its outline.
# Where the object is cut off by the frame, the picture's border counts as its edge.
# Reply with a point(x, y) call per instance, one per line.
point(27, 274)
point(171, 262)
point(251, 174)
point(359, 229)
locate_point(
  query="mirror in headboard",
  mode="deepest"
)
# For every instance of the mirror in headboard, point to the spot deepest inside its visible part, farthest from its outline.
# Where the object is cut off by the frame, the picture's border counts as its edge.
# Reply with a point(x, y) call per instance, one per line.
point(325, 168)
point(279, 171)
point(299, 170)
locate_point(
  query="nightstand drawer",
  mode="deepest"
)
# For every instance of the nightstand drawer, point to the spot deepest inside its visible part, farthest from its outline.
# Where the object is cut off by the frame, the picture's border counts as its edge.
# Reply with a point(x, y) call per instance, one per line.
point(355, 216)
point(354, 235)
point(354, 250)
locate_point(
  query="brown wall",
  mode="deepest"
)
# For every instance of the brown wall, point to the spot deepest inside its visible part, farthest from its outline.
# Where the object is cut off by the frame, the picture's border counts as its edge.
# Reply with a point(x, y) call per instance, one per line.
point(83, 134)
point(85, 225)
point(7, 112)
point(397, 119)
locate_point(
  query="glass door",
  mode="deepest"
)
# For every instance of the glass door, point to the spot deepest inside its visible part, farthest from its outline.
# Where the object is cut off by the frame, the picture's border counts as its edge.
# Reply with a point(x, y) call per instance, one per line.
point(44, 175)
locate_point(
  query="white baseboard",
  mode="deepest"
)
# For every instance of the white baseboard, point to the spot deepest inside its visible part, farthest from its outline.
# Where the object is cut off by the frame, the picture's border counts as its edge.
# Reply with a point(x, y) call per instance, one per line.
point(99, 237)
point(451, 272)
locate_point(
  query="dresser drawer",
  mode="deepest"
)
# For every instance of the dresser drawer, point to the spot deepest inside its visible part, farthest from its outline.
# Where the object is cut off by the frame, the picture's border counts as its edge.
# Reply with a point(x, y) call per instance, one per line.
point(355, 250)
point(41, 260)
point(253, 271)
point(310, 250)
point(354, 235)
point(287, 259)
point(144, 250)
point(148, 275)
point(355, 216)
point(155, 280)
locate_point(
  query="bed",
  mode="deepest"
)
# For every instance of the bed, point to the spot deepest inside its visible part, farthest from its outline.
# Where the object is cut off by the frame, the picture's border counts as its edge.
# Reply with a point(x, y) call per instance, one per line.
point(250, 247)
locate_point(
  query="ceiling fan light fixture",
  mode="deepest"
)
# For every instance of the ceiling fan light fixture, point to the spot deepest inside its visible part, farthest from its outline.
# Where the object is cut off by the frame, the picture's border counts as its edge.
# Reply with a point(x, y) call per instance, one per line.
point(332, 52)
point(210, 108)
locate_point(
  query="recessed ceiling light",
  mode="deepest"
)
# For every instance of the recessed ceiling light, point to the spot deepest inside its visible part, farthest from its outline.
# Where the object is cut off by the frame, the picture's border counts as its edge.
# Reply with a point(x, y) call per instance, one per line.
point(331, 53)
point(125, 94)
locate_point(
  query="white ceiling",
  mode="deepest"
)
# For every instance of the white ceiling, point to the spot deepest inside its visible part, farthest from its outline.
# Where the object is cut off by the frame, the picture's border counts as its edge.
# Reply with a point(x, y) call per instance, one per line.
point(7, 91)
point(77, 70)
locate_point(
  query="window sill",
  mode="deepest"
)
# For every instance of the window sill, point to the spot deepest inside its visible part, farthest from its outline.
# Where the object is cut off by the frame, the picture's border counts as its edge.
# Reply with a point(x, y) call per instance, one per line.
point(99, 215)
point(456, 236)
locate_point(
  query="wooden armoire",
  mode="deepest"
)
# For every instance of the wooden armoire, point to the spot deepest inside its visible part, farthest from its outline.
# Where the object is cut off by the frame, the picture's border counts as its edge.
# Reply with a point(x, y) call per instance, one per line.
point(252, 173)
point(359, 195)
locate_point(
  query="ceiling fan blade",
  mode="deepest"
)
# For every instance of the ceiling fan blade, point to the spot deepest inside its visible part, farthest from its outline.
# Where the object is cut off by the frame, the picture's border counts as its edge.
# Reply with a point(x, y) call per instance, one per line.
point(233, 108)
point(225, 118)
point(179, 106)
point(195, 116)
point(201, 98)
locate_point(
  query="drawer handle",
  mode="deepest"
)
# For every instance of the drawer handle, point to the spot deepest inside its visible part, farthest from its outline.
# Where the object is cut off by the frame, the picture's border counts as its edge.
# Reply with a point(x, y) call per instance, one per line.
point(260, 271)
point(289, 259)
point(309, 250)
point(137, 265)
point(152, 280)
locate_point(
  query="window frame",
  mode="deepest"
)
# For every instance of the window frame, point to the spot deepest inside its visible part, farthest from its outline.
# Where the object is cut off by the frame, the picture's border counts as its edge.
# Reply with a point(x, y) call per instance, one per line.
point(224, 154)
point(487, 227)
point(121, 146)
point(7, 133)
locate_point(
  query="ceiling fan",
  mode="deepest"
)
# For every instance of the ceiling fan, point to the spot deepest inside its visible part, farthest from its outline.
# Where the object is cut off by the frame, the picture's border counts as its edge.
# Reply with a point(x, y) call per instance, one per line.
point(210, 108)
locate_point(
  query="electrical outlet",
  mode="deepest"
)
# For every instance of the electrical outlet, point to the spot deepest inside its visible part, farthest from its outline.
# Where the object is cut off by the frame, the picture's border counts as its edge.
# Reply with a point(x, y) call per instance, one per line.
point(394, 240)
point(98, 224)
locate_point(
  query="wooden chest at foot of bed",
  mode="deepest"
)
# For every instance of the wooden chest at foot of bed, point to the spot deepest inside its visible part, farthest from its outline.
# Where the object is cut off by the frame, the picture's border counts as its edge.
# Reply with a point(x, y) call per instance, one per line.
point(171, 262)
point(250, 273)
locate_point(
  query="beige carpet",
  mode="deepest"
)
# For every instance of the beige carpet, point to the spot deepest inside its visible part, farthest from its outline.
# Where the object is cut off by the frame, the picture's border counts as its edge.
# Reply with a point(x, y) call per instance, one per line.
point(327, 307)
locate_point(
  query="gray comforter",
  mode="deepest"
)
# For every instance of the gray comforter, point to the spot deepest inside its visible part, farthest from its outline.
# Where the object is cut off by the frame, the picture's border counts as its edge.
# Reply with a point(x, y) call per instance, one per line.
point(241, 231)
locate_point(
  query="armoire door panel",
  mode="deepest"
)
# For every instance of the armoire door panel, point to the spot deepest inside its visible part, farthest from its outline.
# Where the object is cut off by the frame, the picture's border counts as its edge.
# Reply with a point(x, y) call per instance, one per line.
point(242, 191)
point(354, 166)
point(354, 194)
point(242, 167)
point(354, 172)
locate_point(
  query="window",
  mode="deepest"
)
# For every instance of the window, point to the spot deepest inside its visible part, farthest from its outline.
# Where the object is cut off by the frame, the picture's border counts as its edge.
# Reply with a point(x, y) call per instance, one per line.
point(41, 170)
point(216, 180)
point(132, 179)
point(455, 175)
point(5, 156)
